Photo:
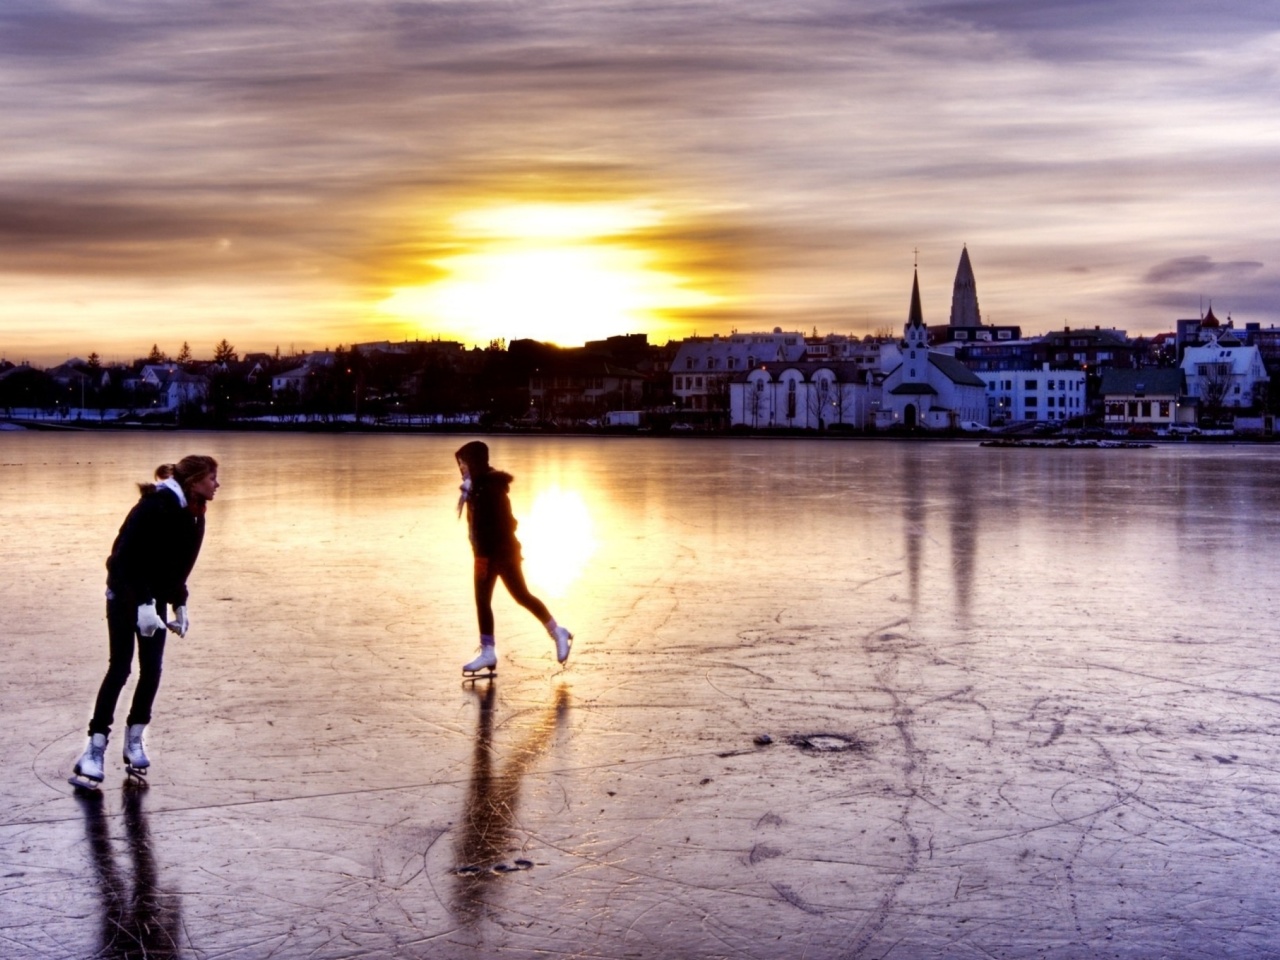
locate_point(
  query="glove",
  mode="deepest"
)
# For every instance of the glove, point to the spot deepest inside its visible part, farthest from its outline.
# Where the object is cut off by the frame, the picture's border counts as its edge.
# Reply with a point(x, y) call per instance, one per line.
point(180, 623)
point(148, 620)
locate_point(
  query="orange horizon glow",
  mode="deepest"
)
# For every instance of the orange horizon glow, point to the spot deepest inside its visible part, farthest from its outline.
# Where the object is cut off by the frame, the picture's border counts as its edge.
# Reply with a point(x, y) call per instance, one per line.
point(561, 272)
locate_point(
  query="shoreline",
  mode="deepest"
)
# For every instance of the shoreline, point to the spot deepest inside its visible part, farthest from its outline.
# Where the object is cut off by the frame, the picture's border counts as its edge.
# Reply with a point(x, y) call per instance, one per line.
point(994, 439)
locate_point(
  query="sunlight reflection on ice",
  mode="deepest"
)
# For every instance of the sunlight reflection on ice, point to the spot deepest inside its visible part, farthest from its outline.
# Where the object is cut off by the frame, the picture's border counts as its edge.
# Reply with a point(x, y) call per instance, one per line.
point(558, 538)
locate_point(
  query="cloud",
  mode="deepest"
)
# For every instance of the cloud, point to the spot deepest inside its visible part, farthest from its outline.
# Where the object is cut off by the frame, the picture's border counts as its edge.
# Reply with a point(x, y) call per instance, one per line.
point(1200, 267)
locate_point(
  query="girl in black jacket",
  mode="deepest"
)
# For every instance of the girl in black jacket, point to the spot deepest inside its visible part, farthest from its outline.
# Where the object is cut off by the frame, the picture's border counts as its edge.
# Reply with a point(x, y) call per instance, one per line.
point(492, 528)
point(147, 572)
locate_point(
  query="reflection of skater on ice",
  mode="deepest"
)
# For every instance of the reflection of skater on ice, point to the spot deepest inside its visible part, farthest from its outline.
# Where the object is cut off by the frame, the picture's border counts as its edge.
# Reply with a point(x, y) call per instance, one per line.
point(489, 822)
point(492, 528)
point(147, 571)
point(138, 920)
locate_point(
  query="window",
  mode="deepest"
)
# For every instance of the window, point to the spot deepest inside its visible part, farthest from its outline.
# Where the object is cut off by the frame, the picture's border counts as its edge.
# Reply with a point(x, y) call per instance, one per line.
point(688, 363)
point(1033, 384)
point(759, 386)
point(1146, 409)
point(1030, 401)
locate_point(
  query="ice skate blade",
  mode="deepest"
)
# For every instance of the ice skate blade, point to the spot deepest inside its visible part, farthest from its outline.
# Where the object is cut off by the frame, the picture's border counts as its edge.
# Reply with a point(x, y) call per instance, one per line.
point(84, 785)
point(473, 675)
point(136, 775)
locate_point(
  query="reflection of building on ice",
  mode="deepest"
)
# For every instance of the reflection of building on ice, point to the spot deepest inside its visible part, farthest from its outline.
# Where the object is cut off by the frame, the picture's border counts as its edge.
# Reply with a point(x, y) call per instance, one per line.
point(138, 919)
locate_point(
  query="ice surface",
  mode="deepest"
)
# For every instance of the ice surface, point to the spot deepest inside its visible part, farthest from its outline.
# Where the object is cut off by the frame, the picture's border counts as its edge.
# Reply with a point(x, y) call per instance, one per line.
point(1051, 675)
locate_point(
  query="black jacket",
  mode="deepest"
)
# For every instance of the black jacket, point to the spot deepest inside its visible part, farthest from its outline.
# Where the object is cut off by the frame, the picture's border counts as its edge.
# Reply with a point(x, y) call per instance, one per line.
point(155, 550)
point(489, 519)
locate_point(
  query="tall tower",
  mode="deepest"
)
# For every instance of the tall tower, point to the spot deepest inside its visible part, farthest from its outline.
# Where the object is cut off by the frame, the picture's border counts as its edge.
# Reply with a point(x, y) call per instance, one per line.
point(964, 295)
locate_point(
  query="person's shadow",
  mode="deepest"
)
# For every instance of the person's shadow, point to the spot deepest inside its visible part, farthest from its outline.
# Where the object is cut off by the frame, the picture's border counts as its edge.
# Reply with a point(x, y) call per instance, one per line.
point(138, 920)
point(489, 819)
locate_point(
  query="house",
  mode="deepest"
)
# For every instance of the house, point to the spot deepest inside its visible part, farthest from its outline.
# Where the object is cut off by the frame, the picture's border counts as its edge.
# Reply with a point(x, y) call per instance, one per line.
point(804, 395)
point(926, 388)
point(704, 366)
point(1224, 375)
point(1149, 397)
point(577, 384)
point(171, 385)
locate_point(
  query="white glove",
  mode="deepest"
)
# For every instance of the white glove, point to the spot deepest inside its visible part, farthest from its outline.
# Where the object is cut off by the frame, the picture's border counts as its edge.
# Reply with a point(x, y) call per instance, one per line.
point(180, 623)
point(148, 620)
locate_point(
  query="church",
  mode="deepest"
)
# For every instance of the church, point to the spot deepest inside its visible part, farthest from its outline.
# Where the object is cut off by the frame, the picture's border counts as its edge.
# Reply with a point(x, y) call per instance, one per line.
point(925, 388)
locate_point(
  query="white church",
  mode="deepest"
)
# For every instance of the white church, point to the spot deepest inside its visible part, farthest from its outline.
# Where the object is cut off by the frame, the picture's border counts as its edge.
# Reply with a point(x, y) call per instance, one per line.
point(925, 388)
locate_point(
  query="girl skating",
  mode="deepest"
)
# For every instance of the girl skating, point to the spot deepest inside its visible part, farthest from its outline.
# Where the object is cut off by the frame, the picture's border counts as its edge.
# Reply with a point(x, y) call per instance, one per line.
point(146, 576)
point(492, 529)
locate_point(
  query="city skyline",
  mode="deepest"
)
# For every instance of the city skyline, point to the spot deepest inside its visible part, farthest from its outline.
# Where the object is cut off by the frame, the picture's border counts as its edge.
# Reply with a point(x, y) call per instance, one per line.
point(307, 175)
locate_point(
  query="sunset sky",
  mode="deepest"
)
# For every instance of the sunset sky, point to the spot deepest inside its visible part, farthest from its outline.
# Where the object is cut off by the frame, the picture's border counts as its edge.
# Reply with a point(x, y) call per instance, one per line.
point(307, 173)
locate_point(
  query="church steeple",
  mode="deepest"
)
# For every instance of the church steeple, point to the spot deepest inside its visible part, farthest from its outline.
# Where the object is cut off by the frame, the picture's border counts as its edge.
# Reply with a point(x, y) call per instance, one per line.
point(964, 295)
point(916, 334)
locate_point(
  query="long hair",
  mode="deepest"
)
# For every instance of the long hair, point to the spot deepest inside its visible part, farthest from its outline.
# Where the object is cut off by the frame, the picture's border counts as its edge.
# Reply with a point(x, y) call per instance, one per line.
point(190, 469)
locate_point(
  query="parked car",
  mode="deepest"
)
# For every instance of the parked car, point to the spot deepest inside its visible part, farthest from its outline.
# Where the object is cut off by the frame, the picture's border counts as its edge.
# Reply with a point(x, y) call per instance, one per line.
point(972, 426)
point(1185, 429)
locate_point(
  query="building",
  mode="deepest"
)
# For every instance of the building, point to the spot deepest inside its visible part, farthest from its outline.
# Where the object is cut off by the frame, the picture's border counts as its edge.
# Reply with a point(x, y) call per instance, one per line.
point(704, 366)
point(1149, 397)
point(965, 324)
point(575, 384)
point(1224, 375)
point(805, 395)
point(1044, 395)
point(926, 388)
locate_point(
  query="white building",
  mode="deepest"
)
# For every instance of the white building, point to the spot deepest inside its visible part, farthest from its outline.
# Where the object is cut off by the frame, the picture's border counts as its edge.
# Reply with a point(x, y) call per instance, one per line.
point(1044, 394)
point(1224, 374)
point(926, 388)
point(806, 395)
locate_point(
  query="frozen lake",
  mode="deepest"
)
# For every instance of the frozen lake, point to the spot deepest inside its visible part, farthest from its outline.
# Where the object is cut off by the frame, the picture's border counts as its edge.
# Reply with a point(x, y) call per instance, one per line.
point(1050, 674)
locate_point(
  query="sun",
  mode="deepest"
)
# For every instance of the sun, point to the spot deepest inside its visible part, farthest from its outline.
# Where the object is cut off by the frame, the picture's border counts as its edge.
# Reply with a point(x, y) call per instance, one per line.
point(559, 272)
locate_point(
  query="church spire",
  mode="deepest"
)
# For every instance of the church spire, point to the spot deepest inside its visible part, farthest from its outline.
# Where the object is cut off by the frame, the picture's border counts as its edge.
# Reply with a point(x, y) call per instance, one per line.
point(916, 334)
point(964, 295)
point(916, 317)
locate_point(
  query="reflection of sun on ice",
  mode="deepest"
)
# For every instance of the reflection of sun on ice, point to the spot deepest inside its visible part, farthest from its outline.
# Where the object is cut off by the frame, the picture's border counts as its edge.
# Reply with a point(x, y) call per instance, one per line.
point(558, 540)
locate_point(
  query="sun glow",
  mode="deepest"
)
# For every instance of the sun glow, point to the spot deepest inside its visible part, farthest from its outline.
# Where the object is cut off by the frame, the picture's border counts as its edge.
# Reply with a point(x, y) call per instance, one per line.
point(565, 273)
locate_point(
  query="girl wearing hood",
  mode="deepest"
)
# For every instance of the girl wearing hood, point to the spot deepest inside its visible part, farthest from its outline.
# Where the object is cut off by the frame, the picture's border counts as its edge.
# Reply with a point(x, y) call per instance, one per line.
point(147, 573)
point(492, 529)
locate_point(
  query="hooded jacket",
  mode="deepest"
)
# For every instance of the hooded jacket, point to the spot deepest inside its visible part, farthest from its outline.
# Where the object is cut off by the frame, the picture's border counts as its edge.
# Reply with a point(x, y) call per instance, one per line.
point(156, 547)
point(490, 522)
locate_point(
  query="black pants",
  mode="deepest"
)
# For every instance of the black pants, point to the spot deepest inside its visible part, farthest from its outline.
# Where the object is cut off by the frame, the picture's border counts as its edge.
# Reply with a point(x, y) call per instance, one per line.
point(488, 571)
point(122, 632)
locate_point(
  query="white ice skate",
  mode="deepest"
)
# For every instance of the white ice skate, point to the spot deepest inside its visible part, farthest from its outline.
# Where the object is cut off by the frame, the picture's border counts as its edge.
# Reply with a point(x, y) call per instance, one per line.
point(564, 643)
point(89, 768)
point(136, 762)
point(488, 660)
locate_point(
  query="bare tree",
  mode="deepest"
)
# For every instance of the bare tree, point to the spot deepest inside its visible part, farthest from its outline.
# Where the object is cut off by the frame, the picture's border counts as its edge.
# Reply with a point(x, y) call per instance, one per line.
point(1215, 383)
